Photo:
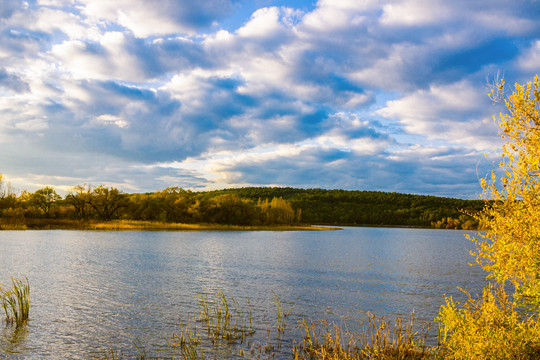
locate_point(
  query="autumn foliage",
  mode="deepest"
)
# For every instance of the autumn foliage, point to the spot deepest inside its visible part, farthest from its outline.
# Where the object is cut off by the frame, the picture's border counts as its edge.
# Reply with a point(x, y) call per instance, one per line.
point(503, 322)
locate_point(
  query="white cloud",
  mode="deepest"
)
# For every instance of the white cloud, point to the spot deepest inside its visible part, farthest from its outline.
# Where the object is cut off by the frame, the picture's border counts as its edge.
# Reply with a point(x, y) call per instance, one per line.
point(350, 4)
point(329, 17)
point(33, 125)
point(415, 13)
point(108, 119)
point(263, 23)
point(530, 60)
point(106, 60)
point(58, 3)
point(449, 113)
point(50, 20)
point(145, 18)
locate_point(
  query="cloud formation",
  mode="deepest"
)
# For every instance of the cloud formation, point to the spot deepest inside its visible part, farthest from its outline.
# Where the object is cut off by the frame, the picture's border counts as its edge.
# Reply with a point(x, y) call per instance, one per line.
point(377, 95)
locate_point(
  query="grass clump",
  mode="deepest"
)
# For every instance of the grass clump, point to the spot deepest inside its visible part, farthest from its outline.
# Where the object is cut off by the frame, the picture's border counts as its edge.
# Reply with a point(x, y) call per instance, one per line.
point(15, 301)
point(379, 339)
point(224, 319)
point(185, 343)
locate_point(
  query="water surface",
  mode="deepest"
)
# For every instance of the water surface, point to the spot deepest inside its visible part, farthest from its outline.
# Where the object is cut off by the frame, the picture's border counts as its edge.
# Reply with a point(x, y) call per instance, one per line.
point(91, 291)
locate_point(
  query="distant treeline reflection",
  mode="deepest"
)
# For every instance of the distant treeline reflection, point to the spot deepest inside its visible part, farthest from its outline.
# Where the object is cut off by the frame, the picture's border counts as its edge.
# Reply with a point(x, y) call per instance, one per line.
point(242, 206)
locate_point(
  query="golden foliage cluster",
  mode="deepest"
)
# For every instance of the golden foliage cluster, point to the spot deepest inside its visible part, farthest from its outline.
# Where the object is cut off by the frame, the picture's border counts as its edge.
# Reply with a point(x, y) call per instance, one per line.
point(497, 325)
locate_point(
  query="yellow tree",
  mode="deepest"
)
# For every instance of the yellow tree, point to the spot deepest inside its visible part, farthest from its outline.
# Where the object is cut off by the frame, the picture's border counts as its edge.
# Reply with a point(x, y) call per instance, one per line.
point(498, 325)
point(510, 251)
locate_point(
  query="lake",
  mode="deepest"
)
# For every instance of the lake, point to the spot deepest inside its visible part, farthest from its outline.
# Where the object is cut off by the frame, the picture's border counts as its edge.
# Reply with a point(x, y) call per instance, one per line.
point(93, 291)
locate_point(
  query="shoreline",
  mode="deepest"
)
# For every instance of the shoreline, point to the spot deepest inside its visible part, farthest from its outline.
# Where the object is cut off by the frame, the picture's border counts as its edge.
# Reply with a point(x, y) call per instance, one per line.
point(137, 225)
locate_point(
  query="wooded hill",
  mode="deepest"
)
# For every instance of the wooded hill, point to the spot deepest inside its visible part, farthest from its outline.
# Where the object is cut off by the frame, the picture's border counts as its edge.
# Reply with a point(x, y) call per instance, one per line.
point(342, 207)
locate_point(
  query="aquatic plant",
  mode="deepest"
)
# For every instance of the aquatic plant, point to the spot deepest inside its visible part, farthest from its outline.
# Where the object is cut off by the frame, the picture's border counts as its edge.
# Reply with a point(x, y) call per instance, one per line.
point(185, 343)
point(280, 313)
point(225, 327)
point(378, 339)
point(223, 321)
point(16, 301)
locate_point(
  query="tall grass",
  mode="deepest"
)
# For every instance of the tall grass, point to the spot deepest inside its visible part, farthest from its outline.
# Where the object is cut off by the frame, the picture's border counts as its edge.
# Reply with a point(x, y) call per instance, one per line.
point(379, 339)
point(16, 301)
point(224, 319)
point(280, 312)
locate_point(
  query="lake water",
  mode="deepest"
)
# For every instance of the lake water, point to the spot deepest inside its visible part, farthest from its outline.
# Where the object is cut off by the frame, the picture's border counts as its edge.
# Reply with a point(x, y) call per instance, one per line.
point(93, 291)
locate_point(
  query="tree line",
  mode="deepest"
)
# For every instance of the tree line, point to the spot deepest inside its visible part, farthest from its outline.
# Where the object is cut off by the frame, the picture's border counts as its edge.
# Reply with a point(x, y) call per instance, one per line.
point(241, 206)
point(171, 205)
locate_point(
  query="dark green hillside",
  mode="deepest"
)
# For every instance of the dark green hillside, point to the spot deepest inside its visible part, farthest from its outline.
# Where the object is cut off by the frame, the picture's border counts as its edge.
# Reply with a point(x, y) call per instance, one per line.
point(344, 207)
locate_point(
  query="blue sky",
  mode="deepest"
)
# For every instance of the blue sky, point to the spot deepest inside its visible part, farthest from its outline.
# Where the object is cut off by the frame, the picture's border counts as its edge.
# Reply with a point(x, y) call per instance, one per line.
point(352, 94)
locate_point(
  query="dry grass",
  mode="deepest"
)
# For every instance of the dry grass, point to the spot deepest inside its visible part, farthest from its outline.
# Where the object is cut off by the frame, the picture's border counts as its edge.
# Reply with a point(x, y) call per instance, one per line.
point(380, 339)
point(135, 225)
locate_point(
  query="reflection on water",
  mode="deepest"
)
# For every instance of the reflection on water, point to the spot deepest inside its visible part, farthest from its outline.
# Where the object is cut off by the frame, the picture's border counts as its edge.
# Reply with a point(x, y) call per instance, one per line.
point(12, 339)
point(91, 291)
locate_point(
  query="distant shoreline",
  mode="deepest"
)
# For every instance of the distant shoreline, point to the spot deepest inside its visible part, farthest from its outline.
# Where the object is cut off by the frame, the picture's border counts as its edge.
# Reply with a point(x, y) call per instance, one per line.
point(135, 225)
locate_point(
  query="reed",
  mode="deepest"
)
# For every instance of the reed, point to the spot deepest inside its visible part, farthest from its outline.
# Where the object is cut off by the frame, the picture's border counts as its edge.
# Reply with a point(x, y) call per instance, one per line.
point(280, 312)
point(224, 321)
point(380, 339)
point(16, 301)
point(113, 354)
point(185, 343)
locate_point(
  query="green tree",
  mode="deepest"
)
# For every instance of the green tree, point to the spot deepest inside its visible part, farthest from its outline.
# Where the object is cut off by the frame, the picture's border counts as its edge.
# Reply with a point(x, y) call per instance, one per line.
point(498, 325)
point(44, 199)
point(176, 202)
point(227, 209)
point(107, 202)
point(79, 197)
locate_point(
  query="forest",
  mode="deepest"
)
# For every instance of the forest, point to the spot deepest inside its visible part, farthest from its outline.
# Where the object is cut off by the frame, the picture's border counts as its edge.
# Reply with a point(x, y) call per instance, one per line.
point(240, 206)
point(346, 207)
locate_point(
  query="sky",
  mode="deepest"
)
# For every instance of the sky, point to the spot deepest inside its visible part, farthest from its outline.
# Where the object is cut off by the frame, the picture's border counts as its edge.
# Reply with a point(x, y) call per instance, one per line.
point(350, 94)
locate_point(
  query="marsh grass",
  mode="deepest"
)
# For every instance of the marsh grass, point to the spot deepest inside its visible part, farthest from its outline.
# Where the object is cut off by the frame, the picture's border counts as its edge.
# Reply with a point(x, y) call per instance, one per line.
point(224, 318)
point(280, 312)
point(16, 301)
point(221, 328)
point(379, 339)
point(113, 354)
point(12, 219)
point(185, 343)
point(130, 225)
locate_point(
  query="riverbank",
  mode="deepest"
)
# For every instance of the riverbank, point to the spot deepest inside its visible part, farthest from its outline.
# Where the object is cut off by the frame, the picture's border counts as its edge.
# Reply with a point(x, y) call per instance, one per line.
point(135, 225)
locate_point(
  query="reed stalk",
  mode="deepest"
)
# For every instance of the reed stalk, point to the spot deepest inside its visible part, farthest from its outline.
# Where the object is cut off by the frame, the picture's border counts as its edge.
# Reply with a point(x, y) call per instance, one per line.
point(380, 339)
point(16, 301)
point(185, 343)
point(280, 312)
